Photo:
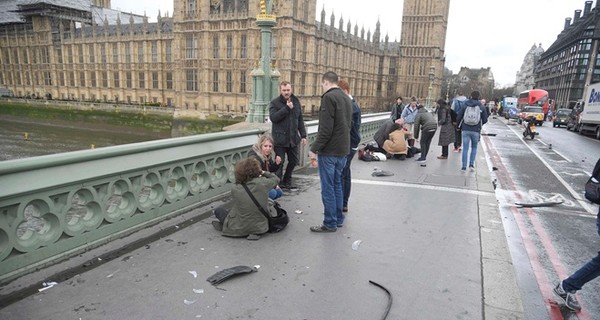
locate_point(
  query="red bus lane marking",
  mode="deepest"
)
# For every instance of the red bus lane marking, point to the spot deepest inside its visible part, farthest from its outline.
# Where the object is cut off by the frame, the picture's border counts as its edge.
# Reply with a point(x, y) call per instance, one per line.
point(543, 282)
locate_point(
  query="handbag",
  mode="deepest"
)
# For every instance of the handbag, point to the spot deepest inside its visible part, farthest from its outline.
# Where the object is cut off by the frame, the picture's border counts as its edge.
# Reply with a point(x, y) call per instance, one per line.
point(277, 223)
point(592, 190)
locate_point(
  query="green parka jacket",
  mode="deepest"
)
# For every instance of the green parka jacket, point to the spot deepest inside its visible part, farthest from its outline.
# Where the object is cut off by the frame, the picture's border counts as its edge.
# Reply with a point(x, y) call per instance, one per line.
point(245, 218)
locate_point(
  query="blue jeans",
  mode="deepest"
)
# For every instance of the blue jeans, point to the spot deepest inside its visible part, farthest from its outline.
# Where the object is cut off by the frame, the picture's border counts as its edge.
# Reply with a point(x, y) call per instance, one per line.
point(275, 194)
point(469, 138)
point(347, 177)
point(588, 272)
point(330, 173)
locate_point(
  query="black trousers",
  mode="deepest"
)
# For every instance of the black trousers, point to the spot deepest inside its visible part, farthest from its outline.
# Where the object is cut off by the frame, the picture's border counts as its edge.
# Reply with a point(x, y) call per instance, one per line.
point(457, 138)
point(426, 137)
point(445, 151)
point(292, 158)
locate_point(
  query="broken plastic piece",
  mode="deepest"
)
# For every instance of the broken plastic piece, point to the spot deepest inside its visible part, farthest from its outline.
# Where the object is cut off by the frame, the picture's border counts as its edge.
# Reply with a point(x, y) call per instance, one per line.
point(298, 211)
point(194, 273)
point(198, 290)
point(188, 302)
point(47, 285)
point(228, 273)
point(390, 299)
point(356, 244)
point(381, 173)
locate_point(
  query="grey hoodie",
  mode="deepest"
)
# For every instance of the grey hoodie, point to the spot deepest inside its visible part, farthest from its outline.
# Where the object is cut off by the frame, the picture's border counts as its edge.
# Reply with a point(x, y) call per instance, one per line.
point(457, 106)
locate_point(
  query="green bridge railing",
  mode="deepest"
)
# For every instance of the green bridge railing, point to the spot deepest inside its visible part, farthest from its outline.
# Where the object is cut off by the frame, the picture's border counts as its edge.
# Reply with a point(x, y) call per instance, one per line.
point(56, 206)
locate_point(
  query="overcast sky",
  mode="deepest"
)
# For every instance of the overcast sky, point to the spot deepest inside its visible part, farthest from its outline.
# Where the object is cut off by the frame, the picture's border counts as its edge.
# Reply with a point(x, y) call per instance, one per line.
point(481, 33)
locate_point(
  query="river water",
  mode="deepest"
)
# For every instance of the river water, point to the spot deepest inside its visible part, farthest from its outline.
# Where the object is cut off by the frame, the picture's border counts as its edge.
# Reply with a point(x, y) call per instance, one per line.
point(24, 138)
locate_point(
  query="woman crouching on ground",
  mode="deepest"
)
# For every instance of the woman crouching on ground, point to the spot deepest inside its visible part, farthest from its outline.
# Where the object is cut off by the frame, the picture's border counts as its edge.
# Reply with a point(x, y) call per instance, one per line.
point(245, 219)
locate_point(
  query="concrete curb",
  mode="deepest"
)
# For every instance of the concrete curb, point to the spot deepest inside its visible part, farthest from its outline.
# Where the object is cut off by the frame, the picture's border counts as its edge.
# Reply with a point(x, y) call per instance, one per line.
point(501, 295)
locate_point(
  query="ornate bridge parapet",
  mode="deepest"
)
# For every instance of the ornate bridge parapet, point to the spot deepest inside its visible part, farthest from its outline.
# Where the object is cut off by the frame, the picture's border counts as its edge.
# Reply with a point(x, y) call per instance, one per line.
point(56, 206)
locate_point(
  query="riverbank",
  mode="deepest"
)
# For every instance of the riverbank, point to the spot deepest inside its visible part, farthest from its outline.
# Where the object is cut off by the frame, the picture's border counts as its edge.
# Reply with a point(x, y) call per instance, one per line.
point(120, 118)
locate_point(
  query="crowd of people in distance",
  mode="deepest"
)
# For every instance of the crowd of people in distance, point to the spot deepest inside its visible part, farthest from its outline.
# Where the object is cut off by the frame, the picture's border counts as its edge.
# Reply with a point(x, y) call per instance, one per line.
point(459, 123)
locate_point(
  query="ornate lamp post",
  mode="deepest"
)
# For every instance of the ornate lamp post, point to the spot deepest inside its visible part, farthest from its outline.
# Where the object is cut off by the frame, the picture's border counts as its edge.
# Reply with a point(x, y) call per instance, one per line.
point(431, 78)
point(264, 78)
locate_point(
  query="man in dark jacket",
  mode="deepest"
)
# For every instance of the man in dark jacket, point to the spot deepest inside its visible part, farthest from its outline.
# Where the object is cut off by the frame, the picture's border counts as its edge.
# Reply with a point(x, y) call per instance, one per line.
point(397, 109)
point(288, 130)
point(425, 123)
point(331, 145)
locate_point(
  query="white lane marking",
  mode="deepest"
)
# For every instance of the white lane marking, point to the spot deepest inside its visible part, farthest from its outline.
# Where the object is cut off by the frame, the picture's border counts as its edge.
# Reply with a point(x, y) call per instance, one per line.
point(575, 195)
point(410, 185)
point(558, 153)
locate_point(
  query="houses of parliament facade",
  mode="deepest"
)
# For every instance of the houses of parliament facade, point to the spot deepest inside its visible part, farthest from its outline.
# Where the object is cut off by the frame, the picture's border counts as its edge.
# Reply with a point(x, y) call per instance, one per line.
point(202, 57)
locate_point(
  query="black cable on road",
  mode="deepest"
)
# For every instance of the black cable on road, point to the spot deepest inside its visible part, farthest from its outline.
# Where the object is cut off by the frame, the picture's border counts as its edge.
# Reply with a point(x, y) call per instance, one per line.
point(390, 299)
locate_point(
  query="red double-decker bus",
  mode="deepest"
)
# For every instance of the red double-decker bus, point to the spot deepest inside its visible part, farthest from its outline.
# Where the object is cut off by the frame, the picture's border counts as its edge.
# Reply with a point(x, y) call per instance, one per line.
point(534, 97)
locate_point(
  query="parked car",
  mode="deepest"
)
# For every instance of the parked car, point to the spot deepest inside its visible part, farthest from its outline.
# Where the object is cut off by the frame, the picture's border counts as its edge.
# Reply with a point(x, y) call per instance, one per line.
point(561, 117)
point(510, 113)
point(531, 111)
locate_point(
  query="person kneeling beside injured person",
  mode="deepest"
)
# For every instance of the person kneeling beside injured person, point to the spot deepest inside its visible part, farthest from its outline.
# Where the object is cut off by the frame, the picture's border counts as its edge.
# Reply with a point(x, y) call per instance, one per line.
point(396, 145)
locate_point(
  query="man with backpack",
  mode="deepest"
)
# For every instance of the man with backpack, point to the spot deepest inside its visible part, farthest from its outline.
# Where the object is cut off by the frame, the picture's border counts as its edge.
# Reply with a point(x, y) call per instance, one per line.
point(457, 105)
point(471, 118)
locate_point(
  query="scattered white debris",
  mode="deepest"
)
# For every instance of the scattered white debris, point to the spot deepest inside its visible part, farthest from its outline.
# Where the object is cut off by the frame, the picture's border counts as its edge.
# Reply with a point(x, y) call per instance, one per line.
point(188, 302)
point(257, 266)
point(194, 273)
point(198, 290)
point(47, 285)
point(112, 274)
point(356, 244)
point(298, 211)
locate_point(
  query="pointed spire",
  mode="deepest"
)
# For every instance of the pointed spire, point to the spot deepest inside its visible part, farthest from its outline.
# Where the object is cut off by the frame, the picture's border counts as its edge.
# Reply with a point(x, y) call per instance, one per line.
point(362, 32)
point(105, 21)
point(377, 33)
point(348, 27)
point(323, 15)
point(341, 27)
point(356, 29)
point(369, 35)
point(332, 24)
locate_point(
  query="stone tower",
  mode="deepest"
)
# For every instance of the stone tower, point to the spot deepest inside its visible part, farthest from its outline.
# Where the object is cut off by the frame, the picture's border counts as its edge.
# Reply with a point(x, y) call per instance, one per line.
point(422, 45)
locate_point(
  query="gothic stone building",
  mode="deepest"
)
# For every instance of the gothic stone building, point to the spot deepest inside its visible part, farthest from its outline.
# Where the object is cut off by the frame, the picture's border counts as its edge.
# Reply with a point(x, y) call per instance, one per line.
point(202, 56)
